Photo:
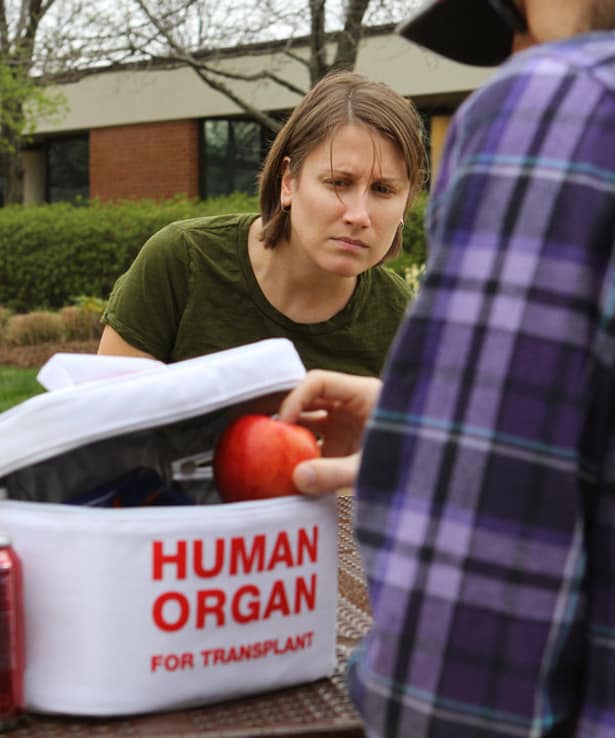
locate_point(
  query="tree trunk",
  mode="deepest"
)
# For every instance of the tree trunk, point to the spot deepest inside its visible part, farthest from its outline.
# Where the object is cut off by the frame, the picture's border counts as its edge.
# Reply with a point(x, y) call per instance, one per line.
point(14, 177)
point(14, 194)
point(318, 43)
point(348, 39)
point(11, 166)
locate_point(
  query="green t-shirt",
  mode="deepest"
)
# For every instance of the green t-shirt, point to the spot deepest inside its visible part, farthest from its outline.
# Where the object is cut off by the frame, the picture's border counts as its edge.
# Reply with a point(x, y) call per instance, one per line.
point(192, 291)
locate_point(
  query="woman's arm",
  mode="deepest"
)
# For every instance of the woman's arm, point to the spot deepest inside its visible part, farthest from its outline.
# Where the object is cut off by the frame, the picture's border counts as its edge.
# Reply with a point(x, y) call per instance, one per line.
point(112, 344)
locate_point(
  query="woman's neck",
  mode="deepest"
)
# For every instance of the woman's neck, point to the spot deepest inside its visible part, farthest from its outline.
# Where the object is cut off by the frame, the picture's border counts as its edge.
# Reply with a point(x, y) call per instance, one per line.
point(296, 287)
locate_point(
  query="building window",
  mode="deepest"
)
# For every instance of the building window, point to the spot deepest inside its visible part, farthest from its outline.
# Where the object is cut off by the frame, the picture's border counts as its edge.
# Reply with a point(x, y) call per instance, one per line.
point(68, 169)
point(234, 150)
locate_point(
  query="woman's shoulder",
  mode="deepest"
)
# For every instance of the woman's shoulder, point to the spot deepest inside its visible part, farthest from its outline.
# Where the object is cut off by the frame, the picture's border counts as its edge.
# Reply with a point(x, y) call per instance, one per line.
point(228, 223)
point(201, 233)
point(384, 279)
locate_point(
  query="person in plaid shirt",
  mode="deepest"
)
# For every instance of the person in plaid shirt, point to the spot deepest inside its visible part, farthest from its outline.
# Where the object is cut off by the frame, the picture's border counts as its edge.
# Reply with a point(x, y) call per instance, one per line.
point(486, 492)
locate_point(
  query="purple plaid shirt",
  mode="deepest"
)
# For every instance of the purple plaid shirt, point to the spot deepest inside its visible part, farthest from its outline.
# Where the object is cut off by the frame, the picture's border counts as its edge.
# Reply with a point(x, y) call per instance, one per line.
point(486, 498)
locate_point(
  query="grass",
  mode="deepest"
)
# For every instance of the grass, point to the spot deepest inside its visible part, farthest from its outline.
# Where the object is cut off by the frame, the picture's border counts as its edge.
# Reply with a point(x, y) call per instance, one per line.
point(17, 385)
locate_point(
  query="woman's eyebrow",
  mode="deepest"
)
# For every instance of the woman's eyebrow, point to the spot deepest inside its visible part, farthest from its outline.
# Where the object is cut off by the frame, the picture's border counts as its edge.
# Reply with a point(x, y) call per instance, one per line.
point(350, 173)
point(391, 180)
point(339, 170)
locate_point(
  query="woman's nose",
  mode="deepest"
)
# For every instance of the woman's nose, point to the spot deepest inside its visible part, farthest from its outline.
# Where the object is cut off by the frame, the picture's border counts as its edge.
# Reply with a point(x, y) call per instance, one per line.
point(357, 208)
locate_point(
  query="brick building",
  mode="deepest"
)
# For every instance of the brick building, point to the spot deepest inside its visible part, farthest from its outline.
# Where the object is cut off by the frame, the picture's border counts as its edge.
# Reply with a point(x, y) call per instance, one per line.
point(132, 133)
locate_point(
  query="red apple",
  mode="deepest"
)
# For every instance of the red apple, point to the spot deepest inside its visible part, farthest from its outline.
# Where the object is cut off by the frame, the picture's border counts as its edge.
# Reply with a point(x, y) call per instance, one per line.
point(255, 457)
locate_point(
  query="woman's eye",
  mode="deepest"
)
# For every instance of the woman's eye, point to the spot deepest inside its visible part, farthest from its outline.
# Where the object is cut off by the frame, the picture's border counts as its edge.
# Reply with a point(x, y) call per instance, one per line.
point(336, 182)
point(381, 188)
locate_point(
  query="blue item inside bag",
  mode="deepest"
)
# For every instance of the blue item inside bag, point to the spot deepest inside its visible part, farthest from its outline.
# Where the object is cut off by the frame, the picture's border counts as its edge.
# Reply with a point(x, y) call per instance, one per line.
point(140, 487)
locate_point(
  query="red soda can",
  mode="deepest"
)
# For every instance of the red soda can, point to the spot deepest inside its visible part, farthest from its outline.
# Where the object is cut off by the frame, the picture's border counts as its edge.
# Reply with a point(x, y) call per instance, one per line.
point(12, 651)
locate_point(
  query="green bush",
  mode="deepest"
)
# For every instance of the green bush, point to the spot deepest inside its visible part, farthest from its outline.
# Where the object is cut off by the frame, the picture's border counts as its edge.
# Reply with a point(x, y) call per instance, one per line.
point(415, 245)
point(5, 314)
point(410, 262)
point(51, 253)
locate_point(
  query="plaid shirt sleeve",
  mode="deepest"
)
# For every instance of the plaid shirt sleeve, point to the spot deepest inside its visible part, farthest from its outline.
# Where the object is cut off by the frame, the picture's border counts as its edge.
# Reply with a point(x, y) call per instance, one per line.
point(486, 497)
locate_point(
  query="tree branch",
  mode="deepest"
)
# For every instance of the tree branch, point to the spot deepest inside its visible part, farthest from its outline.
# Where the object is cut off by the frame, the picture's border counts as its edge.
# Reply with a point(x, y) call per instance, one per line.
point(266, 120)
point(4, 29)
point(264, 74)
point(297, 57)
point(348, 39)
point(318, 41)
point(208, 75)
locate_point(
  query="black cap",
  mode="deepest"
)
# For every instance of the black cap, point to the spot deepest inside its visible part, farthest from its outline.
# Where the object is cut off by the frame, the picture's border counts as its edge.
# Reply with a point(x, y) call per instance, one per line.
point(467, 31)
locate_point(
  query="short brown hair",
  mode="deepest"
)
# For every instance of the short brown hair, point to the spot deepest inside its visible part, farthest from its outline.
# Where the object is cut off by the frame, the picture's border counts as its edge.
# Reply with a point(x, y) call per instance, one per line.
point(601, 16)
point(338, 99)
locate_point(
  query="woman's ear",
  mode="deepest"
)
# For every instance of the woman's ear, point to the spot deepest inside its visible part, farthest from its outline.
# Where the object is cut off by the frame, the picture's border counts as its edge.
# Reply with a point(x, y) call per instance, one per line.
point(287, 182)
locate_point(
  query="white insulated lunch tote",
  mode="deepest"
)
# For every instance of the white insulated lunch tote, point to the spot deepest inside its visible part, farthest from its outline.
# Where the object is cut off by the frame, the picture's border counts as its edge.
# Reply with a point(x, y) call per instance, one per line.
point(148, 608)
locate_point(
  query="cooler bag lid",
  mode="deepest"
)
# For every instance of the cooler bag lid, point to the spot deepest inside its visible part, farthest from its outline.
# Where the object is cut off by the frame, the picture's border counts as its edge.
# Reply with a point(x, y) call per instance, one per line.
point(93, 398)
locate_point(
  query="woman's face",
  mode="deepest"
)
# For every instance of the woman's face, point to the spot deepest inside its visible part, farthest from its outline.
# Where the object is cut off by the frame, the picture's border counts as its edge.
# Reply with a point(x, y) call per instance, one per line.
point(347, 201)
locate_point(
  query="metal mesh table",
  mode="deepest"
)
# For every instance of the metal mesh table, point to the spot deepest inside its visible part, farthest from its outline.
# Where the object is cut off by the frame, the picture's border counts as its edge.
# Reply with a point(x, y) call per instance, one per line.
point(321, 709)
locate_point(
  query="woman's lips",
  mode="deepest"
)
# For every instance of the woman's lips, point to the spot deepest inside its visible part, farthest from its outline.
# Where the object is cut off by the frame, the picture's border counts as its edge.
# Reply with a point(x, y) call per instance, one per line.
point(352, 242)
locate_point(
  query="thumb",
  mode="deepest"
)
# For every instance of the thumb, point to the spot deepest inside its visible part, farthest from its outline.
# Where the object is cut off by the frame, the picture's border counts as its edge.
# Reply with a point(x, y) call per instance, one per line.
point(319, 476)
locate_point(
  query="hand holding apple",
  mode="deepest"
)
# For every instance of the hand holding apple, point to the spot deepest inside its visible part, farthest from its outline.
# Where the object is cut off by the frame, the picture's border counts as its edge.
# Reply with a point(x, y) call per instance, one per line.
point(255, 457)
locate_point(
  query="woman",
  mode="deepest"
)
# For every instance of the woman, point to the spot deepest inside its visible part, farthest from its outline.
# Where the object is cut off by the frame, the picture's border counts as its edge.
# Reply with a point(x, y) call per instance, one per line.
point(334, 190)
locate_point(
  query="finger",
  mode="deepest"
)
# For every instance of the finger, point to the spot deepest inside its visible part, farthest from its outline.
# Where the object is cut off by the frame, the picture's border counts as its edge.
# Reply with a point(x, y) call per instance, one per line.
point(320, 388)
point(309, 395)
point(321, 476)
point(316, 423)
